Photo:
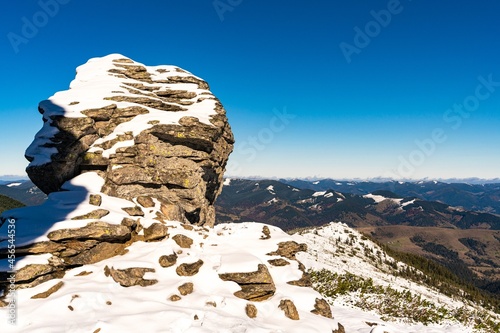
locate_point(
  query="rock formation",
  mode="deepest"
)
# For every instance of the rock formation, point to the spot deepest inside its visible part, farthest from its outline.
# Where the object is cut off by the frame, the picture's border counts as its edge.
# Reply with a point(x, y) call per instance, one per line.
point(133, 158)
point(151, 132)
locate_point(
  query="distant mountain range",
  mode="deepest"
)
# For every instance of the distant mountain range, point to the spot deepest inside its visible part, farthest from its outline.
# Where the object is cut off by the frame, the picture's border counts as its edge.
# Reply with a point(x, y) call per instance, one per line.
point(299, 203)
point(483, 197)
point(474, 196)
point(467, 242)
point(455, 224)
point(288, 206)
point(13, 181)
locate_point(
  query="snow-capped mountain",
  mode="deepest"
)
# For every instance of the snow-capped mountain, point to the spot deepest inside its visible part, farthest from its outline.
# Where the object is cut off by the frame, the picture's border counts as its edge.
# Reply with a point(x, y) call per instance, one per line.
point(466, 242)
point(468, 194)
point(288, 207)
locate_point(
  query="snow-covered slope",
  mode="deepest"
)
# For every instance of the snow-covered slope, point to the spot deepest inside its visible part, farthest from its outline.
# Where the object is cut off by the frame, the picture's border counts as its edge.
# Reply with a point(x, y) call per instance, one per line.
point(88, 299)
point(352, 257)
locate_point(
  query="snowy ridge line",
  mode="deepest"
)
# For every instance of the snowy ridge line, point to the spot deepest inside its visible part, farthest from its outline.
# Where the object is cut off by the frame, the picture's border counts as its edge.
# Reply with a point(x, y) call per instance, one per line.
point(341, 250)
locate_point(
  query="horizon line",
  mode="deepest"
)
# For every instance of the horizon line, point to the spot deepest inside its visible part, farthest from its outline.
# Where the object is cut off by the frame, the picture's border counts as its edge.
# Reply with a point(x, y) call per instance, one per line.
point(375, 179)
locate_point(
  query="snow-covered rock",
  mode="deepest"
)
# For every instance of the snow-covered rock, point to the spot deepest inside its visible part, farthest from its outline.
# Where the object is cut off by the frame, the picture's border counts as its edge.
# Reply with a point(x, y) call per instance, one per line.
point(150, 130)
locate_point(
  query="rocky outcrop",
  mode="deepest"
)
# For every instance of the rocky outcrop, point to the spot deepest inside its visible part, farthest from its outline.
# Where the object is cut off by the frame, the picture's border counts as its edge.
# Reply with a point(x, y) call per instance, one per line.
point(94, 254)
point(189, 269)
point(255, 286)
point(278, 262)
point(289, 249)
point(155, 231)
point(151, 132)
point(183, 241)
point(322, 308)
point(186, 288)
point(50, 291)
point(251, 310)
point(100, 231)
point(289, 309)
point(220, 273)
point(95, 214)
point(35, 274)
point(167, 261)
point(131, 276)
point(341, 329)
point(266, 233)
point(305, 279)
point(144, 150)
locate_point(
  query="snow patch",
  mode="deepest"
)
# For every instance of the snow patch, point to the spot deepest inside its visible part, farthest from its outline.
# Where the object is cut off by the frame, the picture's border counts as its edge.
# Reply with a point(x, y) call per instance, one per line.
point(376, 198)
point(404, 204)
point(273, 200)
point(380, 198)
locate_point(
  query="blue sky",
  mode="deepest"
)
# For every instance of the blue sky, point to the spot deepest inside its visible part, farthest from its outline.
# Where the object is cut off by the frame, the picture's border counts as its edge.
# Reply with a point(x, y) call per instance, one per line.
point(340, 89)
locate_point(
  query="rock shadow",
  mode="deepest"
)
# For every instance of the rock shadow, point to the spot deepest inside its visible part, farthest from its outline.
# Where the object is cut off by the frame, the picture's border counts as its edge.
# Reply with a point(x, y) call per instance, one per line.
point(22, 230)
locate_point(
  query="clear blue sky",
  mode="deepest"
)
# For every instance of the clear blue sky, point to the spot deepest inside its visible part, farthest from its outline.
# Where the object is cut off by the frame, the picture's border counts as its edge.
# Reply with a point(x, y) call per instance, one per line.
point(353, 94)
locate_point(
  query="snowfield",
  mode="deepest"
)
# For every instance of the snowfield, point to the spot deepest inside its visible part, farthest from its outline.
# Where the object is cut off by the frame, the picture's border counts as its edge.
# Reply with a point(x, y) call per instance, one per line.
point(91, 301)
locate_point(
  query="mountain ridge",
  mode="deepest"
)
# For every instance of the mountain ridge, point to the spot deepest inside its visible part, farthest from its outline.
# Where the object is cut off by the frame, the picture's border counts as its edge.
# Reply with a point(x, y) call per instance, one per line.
point(357, 210)
point(464, 241)
point(478, 197)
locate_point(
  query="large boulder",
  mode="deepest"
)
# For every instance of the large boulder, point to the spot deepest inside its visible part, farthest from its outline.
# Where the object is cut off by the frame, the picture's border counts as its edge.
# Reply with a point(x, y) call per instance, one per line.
point(154, 131)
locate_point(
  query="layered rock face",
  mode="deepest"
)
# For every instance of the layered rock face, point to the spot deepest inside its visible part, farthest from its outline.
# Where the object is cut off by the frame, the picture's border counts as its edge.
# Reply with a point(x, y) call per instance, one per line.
point(150, 132)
